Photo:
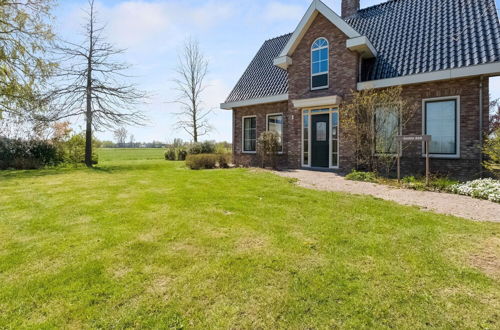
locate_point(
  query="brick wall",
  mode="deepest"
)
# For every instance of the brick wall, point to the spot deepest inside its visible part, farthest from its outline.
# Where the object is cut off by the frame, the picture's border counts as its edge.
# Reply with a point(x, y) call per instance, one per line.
point(260, 111)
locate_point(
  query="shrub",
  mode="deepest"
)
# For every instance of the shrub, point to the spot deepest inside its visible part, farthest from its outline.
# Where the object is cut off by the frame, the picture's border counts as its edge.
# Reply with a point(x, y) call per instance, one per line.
point(170, 154)
point(484, 188)
point(492, 152)
point(223, 148)
point(207, 147)
point(224, 160)
point(181, 153)
point(201, 161)
point(268, 146)
point(31, 154)
point(361, 176)
point(74, 150)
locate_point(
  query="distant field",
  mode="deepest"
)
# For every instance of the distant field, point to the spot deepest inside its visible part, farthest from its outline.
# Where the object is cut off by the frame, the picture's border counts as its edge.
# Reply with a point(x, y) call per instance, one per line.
point(115, 154)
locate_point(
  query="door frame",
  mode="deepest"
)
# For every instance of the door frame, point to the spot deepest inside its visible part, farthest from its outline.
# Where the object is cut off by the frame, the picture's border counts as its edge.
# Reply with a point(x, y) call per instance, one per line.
point(308, 112)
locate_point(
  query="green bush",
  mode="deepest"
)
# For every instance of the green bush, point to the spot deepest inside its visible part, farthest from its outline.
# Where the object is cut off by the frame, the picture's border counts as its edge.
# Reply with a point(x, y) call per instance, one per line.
point(31, 154)
point(202, 161)
point(181, 153)
point(74, 150)
point(268, 146)
point(223, 148)
point(492, 152)
point(207, 147)
point(361, 176)
point(170, 154)
point(224, 160)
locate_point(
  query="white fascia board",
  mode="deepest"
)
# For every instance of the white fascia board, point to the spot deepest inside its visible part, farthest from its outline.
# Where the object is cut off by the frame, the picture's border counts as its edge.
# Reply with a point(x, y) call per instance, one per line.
point(317, 102)
point(316, 7)
point(490, 69)
point(261, 100)
point(362, 45)
point(283, 62)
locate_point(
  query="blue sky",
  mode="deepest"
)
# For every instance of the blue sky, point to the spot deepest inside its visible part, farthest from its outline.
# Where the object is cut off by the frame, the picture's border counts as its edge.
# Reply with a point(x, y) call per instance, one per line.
point(230, 33)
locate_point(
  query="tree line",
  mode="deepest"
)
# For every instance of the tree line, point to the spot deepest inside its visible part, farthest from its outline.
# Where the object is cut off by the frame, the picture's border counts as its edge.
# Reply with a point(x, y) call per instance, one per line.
point(45, 79)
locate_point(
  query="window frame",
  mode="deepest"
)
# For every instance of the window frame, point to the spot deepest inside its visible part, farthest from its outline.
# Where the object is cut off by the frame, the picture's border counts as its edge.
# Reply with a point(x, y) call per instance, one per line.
point(243, 151)
point(327, 67)
point(282, 127)
point(455, 98)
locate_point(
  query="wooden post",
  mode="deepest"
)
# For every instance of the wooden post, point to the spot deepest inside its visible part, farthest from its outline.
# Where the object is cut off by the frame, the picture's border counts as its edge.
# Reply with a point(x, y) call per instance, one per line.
point(427, 167)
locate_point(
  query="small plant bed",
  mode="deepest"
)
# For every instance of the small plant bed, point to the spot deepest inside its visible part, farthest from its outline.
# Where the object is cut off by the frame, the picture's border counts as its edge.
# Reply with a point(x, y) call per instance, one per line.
point(483, 188)
point(488, 189)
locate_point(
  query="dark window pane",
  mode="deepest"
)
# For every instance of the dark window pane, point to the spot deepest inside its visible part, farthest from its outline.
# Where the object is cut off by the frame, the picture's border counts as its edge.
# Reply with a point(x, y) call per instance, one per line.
point(320, 81)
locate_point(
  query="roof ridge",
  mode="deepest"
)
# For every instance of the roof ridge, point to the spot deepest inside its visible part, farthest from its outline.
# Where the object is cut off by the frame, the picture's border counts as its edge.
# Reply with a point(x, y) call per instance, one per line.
point(281, 36)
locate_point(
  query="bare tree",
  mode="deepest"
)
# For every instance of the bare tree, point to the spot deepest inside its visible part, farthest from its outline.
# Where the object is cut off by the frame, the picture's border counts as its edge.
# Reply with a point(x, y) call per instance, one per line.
point(371, 121)
point(120, 135)
point(90, 84)
point(131, 140)
point(192, 69)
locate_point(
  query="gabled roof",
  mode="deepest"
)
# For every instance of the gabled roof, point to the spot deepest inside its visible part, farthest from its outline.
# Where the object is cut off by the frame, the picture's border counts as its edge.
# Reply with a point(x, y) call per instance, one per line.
point(262, 78)
point(421, 39)
point(316, 7)
point(417, 36)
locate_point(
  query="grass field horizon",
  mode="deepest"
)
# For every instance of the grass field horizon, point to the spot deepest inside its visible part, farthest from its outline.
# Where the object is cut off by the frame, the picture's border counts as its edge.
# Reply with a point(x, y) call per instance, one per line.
point(139, 242)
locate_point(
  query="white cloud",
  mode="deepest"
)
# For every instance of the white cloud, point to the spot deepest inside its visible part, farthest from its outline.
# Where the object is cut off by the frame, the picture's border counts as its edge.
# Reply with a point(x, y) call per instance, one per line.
point(277, 11)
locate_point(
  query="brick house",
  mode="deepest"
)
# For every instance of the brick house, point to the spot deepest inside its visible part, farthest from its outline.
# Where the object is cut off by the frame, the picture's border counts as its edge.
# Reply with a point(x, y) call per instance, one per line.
point(442, 53)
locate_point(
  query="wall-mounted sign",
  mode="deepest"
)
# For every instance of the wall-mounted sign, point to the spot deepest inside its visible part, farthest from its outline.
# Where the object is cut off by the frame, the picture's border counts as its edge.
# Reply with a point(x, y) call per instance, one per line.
point(413, 138)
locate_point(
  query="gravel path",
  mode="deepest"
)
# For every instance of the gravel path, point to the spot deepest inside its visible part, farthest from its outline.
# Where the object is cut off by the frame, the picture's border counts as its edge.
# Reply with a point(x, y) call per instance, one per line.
point(460, 206)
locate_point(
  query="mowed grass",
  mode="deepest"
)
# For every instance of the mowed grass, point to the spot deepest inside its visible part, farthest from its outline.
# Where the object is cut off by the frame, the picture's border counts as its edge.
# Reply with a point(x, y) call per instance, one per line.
point(117, 154)
point(151, 244)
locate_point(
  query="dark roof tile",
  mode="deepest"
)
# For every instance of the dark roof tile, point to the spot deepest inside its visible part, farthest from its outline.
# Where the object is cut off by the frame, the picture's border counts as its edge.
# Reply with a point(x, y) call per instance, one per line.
point(411, 36)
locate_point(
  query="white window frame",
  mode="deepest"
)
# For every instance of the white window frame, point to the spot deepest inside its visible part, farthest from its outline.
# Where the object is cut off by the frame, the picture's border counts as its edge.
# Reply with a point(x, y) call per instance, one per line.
point(456, 98)
point(328, 66)
point(243, 151)
point(282, 128)
point(309, 113)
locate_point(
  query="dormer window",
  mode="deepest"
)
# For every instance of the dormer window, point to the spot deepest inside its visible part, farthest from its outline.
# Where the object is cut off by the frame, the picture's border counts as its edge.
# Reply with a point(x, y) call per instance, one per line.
point(319, 64)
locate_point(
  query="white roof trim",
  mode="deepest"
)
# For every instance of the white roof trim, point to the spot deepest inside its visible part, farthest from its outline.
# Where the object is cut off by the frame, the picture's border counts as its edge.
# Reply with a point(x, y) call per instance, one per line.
point(316, 7)
point(261, 100)
point(362, 45)
point(491, 69)
point(283, 62)
point(317, 101)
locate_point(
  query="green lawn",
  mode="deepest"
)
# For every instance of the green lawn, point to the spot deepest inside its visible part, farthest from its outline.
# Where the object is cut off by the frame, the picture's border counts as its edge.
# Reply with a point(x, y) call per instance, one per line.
point(148, 243)
point(116, 154)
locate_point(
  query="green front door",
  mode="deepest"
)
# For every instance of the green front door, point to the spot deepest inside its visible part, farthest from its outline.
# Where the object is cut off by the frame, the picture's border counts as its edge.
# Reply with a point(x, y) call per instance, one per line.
point(320, 146)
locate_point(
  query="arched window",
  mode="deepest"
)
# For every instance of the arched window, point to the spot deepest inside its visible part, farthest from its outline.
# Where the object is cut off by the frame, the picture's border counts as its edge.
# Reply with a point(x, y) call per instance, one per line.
point(319, 64)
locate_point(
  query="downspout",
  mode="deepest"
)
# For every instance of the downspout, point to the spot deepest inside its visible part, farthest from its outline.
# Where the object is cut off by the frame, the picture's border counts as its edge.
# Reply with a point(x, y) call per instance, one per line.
point(481, 105)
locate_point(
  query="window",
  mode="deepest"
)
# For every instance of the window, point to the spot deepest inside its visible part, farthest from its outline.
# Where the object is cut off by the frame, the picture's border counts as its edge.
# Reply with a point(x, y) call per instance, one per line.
point(275, 124)
point(386, 128)
point(335, 139)
point(319, 64)
point(441, 122)
point(249, 134)
point(305, 138)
